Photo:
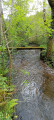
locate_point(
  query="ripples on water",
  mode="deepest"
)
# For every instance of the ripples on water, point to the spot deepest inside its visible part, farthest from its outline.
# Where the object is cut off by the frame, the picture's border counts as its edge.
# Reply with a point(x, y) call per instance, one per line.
point(38, 94)
point(30, 91)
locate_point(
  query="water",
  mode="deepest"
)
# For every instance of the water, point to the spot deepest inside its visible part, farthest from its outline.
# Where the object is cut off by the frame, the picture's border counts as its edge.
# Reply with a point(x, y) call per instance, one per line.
point(34, 87)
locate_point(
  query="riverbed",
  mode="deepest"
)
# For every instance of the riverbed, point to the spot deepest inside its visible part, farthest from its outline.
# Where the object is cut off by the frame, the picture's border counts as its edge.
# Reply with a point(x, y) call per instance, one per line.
point(34, 86)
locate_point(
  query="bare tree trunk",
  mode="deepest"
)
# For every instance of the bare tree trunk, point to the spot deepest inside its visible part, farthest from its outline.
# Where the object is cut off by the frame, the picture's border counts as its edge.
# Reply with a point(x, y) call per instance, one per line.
point(52, 25)
point(49, 47)
point(1, 33)
point(50, 41)
point(1, 13)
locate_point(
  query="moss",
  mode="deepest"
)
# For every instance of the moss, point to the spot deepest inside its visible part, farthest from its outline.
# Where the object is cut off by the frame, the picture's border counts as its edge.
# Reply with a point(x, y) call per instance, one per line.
point(49, 62)
point(52, 59)
point(43, 55)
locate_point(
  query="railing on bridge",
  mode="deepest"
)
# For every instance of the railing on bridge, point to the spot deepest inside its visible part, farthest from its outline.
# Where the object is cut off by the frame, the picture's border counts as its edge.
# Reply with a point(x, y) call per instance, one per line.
point(26, 48)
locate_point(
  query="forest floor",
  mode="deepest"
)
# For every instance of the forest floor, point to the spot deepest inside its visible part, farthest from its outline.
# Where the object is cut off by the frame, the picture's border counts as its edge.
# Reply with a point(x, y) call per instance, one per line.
point(34, 82)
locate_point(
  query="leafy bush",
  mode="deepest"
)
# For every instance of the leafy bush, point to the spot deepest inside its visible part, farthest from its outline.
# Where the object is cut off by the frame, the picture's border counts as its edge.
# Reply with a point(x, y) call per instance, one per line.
point(43, 55)
point(6, 90)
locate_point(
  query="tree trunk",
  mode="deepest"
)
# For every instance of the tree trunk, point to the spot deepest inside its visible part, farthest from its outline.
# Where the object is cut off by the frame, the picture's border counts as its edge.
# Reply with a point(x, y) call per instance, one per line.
point(49, 47)
point(51, 2)
point(1, 13)
point(52, 25)
point(50, 41)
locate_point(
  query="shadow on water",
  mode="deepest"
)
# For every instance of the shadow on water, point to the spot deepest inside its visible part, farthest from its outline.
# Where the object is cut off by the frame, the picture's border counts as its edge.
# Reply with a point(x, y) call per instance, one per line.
point(48, 85)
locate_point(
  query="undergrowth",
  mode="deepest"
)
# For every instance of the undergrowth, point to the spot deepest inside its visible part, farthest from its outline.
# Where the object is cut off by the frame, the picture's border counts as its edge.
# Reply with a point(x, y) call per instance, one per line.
point(6, 89)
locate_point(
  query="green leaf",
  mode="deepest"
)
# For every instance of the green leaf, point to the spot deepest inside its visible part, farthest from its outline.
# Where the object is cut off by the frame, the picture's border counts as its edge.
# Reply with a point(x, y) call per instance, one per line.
point(25, 72)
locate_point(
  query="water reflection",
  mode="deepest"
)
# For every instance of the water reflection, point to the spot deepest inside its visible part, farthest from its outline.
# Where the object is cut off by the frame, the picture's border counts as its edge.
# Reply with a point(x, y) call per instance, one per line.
point(22, 55)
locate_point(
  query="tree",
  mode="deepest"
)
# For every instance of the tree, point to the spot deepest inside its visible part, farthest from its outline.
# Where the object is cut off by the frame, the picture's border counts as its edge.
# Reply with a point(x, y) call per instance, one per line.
point(49, 50)
point(1, 13)
point(19, 30)
point(51, 2)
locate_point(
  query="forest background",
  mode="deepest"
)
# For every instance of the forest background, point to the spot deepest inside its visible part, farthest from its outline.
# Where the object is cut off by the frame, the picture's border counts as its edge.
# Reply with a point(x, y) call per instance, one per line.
point(22, 29)
point(28, 25)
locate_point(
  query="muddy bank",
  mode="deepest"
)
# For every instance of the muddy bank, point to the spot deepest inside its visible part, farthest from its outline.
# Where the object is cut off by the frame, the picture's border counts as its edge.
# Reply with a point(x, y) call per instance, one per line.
point(30, 78)
point(48, 83)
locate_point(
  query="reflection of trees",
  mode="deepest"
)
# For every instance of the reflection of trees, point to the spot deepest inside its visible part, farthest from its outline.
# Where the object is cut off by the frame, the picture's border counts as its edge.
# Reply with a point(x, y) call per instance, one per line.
point(22, 55)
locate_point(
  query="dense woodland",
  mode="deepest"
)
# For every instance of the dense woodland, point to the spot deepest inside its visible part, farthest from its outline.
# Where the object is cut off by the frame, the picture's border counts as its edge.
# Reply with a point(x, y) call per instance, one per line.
point(22, 30)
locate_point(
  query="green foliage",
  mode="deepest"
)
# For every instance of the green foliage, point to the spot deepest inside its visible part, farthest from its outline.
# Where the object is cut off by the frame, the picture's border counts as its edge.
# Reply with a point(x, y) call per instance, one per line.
point(3, 84)
point(25, 82)
point(43, 55)
point(1, 116)
point(7, 114)
point(7, 117)
point(3, 61)
point(19, 30)
point(10, 105)
point(49, 62)
point(6, 101)
point(6, 71)
point(25, 72)
point(2, 48)
point(23, 29)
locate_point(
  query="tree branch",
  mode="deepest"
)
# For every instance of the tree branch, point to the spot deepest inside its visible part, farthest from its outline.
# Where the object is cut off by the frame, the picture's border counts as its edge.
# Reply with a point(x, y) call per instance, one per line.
point(10, 19)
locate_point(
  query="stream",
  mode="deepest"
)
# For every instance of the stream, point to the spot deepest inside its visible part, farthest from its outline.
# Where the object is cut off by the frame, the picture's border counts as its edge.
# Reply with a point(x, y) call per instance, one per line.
point(34, 84)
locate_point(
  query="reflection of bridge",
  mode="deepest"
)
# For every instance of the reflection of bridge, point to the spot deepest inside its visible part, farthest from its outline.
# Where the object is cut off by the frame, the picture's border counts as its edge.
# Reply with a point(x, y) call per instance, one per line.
point(26, 48)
